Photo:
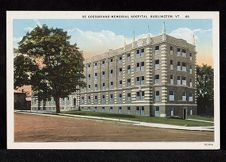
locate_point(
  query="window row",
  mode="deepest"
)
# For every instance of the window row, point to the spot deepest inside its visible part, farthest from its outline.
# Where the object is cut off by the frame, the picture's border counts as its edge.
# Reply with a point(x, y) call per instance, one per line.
point(139, 109)
point(171, 96)
point(139, 81)
point(181, 80)
point(179, 52)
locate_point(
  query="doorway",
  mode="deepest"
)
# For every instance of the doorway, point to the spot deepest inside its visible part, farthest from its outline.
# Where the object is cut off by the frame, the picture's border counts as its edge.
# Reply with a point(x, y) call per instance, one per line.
point(185, 113)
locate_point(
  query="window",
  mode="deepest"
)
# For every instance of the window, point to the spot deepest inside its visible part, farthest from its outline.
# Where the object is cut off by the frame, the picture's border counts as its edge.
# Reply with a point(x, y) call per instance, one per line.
point(128, 82)
point(171, 50)
point(183, 53)
point(157, 96)
point(95, 76)
point(95, 64)
point(184, 96)
point(171, 96)
point(178, 52)
point(140, 66)
point(190, 112)
point(95, 109)
point(128, 97)
point(178, 66)
point(128, 69)
point(88, 65)
point(111, 85)
point(190, 83)
point(103, 109)
point(111, 98)
point(190, 97)
point(171, 64)
point(89, 76)
point(171, 79)
point(95, 99)
point(128, 56)
point(184, 67)
point(184, 82)
point(119, 98)
point(89, 99)
point(89, 86)
point(140, 80)
point(96, 87)
point(190, 56)
point(111, 73)
point(111, 60)
point(103, 99)
point(120, 59)
point(128, 110)
point(103, 62)
point(111, 109)
point(120, 84)
point(157, 80)
point(172, 112)
point(178, 80)
point(157, 67)
point(156, 50)
point(140, 52)
point(83, 99)
point(103, 86)
point(103, 73)
point(120, 71)
point(190, 69)
point(140, 95)
point(157, 108)
point(120, 110)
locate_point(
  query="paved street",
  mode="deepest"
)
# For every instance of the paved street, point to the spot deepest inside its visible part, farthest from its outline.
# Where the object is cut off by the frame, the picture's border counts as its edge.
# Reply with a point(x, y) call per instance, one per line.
point(30, 127)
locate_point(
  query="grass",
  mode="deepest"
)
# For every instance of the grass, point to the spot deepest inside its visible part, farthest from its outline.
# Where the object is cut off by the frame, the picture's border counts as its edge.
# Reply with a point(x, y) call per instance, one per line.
point(171, 121)
point(202, 118)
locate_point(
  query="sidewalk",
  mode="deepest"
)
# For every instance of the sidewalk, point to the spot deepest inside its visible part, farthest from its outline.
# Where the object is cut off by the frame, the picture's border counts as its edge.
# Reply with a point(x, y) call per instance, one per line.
point(198, 120)
point(137, 123)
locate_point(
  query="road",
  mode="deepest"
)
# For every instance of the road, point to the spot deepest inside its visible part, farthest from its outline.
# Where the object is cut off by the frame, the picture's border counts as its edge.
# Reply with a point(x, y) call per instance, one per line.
point(37, 128)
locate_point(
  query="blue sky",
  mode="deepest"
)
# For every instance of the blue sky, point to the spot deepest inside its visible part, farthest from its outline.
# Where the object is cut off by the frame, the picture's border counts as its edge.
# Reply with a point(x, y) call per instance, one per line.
point(95, 36)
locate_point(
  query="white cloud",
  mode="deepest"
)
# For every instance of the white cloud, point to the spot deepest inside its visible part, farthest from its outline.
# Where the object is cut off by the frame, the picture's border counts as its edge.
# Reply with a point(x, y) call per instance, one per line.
point(95, 43)
point(187, 34)
point(184, 33)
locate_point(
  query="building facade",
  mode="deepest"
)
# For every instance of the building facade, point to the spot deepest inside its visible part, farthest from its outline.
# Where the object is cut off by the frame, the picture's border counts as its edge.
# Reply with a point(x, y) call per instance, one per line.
point(153, 76)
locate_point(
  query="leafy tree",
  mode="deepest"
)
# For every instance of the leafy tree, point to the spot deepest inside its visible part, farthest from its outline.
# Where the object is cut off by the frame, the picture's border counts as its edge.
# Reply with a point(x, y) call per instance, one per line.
point(205, 90)
point(61, 67)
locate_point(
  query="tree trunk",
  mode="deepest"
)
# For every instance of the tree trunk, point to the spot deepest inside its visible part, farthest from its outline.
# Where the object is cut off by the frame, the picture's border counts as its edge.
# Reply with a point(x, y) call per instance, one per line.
point(57, 101)
point(44, 105)
point(39, 104)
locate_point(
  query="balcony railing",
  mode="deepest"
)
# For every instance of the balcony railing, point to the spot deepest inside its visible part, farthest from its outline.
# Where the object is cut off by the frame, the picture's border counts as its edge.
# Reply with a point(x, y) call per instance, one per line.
point(156, 52)
point(157, 98)
point(178, 68)
point(190, 99)
point(183, 98)
point(171, 97)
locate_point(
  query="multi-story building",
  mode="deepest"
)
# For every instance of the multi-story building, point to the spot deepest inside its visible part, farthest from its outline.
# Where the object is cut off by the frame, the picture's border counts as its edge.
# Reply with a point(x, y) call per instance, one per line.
point(153, 76)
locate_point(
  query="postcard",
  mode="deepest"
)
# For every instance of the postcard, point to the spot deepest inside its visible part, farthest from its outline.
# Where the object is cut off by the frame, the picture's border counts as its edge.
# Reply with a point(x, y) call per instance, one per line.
point(113, 80)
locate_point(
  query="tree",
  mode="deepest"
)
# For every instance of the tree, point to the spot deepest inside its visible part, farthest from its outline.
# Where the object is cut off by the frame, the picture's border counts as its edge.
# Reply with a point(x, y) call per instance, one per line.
point(60, 63)
point(205, 90)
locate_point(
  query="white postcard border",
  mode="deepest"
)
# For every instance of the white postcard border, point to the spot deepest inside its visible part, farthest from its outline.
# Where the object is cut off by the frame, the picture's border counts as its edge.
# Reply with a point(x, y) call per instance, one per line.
point(214, 15)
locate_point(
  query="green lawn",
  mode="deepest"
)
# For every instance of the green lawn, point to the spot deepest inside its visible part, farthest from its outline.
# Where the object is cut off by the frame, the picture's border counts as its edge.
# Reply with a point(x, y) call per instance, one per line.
point(202, 118)
point(171, 121)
